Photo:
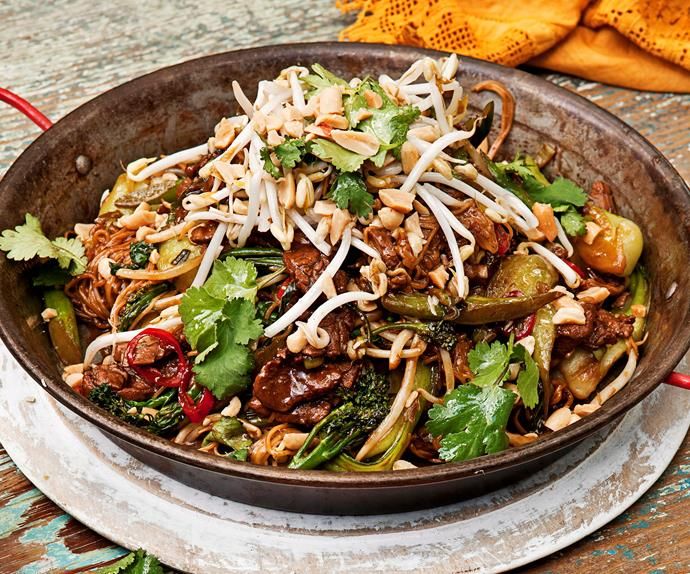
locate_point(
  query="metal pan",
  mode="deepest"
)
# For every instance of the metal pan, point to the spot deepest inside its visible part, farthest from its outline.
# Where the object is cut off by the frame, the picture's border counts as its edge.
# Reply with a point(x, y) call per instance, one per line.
point(177, 107)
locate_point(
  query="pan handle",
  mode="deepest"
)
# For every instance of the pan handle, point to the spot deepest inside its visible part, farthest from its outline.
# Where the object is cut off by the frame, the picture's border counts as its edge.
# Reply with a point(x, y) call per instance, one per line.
point(26, 108)
point(679, 380)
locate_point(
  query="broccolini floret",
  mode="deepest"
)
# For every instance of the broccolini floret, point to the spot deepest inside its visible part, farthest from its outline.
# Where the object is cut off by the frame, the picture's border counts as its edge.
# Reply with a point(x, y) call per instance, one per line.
point(167, 418)
point(363, 408)
point(440, 333)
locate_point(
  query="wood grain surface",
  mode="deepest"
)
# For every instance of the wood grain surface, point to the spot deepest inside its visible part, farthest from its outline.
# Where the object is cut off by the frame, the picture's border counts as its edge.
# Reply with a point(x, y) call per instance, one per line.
point(62, 53)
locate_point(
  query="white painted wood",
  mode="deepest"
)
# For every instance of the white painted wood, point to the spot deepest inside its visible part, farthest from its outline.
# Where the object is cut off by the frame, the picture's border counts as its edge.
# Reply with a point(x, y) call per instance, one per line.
point(127, 502)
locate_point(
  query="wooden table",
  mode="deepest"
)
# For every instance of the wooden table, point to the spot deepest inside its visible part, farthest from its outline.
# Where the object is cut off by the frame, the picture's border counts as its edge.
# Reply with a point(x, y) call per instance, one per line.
point(60, 54)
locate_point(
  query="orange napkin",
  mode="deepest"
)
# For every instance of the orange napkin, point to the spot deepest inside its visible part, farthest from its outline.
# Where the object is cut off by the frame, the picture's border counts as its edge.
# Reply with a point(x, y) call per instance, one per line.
point(641, 44)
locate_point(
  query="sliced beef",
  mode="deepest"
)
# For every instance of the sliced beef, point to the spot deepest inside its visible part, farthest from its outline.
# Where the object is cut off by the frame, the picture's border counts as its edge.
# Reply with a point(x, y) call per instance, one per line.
point(192, 170)
point(129, 387)
point(601, 328)
point(398, 280)
point(338, 325)
point(431, 257)
point(579, 333)
point(608, 328)
point(307, 414)
point(480, 226)
point(382, 240)
point(423, 445)
point(284, 382)
point(111, 375)
point(148, 351)
point(601, 196)
point(306, 263)
point(203, 233)
point(137, 390)
point(615, 285)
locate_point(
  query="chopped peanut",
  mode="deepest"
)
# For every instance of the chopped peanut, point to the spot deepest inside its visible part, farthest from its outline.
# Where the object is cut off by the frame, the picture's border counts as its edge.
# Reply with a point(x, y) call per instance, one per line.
point(547, 222)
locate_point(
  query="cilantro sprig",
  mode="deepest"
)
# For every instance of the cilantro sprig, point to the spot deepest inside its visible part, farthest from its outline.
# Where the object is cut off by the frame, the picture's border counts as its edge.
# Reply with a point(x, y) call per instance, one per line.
point(389, 122)
point(219, 322)
point(472, 419)
point(138, 562)
point(350, 192)
point(523, 177)
point(27, 241)
point(289, 154)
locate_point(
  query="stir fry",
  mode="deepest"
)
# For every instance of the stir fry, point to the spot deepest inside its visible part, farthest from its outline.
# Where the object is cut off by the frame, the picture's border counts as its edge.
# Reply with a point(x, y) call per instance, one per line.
point(345, 277)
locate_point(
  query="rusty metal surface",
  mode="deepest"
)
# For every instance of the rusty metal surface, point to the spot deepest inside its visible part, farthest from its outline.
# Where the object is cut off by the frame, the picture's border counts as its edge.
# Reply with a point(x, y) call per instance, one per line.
point(592, 144)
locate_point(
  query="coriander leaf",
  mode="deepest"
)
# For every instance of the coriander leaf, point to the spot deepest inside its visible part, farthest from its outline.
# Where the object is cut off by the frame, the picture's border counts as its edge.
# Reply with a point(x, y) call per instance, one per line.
point(219, 322)
point(501, 173)
point(389, 123)
point(561, 191)
point(573, 223)
point(120, 566)
point(200, 311)
point(533, 185)
point(527, 169)
point(342, 159)
point(291, 152)
point(70, 254)
point(26, 241)
point(472, 421)
point(400, 124)
point(489, 363)
point(139, 253)
point(232, 278)
point(322, 78)
point(269, 167)
point(528, 378)
point(350, 192)
point(225, 371)
point(139, 562)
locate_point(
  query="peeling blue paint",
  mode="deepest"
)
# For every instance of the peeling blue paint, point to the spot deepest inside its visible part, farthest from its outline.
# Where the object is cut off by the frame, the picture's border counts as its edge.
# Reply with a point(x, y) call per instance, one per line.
point(57, 554)
point(639, 524)
point(621, 549)
point(11, 514)
point(680, 486)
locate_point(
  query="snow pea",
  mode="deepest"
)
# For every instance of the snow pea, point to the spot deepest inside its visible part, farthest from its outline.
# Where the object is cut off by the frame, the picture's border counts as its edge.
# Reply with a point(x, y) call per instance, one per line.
point(477, 310)
point(63, 328)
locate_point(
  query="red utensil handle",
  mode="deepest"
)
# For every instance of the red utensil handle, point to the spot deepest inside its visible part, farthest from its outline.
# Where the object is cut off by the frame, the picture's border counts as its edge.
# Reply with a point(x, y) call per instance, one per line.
point(679, 380)
point(26, 108)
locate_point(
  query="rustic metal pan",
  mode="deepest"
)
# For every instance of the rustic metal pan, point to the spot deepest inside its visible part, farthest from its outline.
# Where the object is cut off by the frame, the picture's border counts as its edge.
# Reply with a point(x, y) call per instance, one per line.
point(178, 106)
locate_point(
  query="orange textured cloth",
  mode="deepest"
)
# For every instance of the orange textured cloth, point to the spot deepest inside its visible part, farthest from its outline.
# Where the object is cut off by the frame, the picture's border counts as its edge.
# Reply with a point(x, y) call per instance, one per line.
point(633, 43)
